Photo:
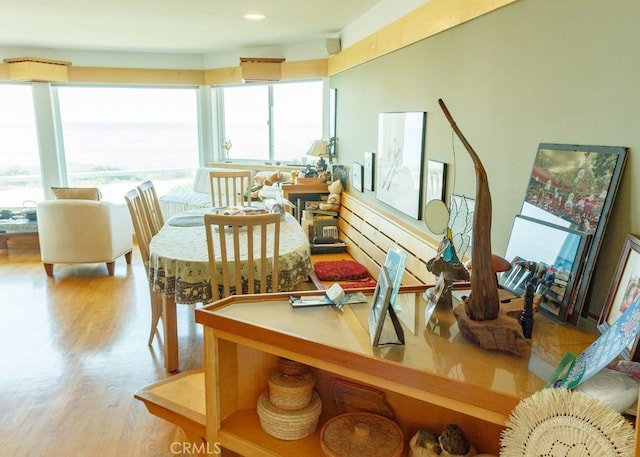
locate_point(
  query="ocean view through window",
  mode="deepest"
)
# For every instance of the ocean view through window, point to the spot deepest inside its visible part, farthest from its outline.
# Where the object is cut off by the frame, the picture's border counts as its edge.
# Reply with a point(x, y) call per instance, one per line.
point(115, 138)
point(20, 178)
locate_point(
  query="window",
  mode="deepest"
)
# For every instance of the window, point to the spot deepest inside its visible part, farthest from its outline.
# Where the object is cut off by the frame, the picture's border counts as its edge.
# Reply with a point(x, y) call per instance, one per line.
point(246, 121)
point(297, 119)
point(20, 178)
point(272, 122)
point(116, 137)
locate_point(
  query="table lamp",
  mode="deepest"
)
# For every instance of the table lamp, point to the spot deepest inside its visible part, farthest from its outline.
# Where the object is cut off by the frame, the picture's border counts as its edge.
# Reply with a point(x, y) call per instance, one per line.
point(319, 148)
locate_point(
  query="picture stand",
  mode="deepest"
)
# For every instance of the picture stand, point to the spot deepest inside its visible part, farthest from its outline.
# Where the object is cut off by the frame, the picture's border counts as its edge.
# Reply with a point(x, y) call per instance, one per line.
point(382, 330)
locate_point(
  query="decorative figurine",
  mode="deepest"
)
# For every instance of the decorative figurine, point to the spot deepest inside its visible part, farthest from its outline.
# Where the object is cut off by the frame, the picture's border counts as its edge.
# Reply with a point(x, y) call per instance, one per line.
point(526, 319)
point(424, 444)
point(447, 266)
point(227, 147)
point(454, 444)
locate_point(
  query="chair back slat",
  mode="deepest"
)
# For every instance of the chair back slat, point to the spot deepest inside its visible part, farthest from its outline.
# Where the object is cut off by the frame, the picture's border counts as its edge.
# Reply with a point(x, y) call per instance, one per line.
point(234, 258)
point(151, 205)
point(141, 223)
point(228, 188)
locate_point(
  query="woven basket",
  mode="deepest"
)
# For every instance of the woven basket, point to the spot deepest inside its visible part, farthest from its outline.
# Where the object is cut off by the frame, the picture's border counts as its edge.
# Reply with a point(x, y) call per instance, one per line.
point(291, 367)
point(289, 425)
point(361, 434)
point(290, 393)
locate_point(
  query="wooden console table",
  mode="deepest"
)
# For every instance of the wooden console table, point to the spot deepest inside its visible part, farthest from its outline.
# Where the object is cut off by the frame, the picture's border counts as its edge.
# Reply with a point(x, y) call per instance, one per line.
point(437, 378)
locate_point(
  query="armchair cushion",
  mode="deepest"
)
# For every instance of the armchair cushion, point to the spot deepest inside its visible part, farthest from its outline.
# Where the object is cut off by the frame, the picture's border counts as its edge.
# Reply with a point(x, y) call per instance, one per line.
point(76, 193)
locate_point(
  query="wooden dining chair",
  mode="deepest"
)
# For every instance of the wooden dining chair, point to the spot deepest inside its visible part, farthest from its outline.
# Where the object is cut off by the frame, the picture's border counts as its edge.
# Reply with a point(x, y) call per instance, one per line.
point(243, 253)
point(228, 188)
point(151, 205)
point(144, 232)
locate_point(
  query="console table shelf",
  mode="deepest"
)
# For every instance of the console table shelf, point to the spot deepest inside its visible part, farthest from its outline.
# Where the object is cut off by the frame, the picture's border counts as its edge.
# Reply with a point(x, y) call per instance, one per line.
point(435, 379)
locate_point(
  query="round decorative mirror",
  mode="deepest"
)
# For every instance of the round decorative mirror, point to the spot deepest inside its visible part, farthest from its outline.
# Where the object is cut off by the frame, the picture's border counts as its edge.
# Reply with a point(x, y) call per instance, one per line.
point(436, 216)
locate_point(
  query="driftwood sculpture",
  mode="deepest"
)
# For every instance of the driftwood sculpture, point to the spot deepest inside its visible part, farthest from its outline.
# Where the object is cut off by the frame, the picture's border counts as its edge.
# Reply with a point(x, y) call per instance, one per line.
point(483, 302)
point(481, 319)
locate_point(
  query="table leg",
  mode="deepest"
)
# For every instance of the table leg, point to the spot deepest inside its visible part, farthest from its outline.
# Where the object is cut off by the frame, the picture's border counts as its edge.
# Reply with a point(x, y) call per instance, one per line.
point(170, 327)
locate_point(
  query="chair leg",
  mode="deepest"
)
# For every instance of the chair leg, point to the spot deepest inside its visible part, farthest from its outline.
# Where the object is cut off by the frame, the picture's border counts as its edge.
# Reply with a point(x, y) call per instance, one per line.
point(48, 268)
point(156, 313)
point(111, 267)
point(127, 257)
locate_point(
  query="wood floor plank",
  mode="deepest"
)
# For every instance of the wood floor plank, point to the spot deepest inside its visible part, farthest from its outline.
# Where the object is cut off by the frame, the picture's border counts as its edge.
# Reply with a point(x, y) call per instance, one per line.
point(74, 351)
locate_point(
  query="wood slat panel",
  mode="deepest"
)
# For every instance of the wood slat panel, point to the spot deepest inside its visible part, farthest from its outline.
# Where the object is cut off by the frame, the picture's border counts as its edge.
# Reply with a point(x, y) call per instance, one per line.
point(369, 233)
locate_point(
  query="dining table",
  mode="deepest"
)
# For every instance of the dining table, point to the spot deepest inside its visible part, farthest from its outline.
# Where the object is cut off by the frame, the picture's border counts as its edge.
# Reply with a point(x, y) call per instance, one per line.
point(179, 267)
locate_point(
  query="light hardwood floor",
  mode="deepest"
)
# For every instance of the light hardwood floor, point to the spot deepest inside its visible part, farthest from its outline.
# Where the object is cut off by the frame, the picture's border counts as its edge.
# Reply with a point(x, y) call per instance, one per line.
point(74, 351)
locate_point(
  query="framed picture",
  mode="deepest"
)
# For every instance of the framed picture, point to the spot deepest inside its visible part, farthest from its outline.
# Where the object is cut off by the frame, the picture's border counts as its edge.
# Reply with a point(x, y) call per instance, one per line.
point(625, 288)
point(383, 330)
point(339, 172)
point(549, 255)
point(575, 186)
point(399, 170)
point(379, 306)
point(436, 176)
point(356, 176)
point(369, 169)
point(395, 262)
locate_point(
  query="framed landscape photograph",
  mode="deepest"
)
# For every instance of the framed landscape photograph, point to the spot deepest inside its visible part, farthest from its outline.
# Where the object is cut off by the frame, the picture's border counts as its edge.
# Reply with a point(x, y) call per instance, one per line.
point(625, 288)
point(575, 186)
point(550, 256)
point(399, 161)
point(369, 169)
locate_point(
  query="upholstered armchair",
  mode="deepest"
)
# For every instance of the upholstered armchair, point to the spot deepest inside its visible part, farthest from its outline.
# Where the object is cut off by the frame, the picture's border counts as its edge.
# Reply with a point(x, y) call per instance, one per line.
point(83, 231)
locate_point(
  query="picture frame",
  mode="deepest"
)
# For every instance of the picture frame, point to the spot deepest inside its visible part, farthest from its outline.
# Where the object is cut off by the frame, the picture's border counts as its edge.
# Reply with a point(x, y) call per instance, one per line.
point(356, 176)
point(625, 288)
point(339, 172)
point(369, 169)
point(395, 262)
point(382, 330)
point(549, 254)
point(379, 305)
point(399, 161)
point(574, 186)
point(436, 180)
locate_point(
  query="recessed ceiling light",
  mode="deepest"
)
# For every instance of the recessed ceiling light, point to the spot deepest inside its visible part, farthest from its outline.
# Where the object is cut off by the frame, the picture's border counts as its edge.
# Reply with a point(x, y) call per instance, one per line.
point(254, 16)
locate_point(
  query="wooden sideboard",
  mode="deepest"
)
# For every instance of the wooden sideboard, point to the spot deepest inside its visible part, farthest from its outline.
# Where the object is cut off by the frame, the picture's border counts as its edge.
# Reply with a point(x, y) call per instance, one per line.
point(435, 379)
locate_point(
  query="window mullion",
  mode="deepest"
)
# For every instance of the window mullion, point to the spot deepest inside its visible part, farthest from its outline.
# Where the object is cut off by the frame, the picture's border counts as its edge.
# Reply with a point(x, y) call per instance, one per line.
point(272, 153)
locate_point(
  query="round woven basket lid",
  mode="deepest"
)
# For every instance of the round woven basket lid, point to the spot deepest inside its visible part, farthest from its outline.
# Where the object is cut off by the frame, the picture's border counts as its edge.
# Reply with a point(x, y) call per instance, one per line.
point(280, 379)
point(562, 423)
point(361, 434)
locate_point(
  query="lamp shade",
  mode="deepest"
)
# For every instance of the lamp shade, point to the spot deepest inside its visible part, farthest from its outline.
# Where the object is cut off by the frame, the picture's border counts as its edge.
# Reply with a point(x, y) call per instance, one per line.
point(319, 149)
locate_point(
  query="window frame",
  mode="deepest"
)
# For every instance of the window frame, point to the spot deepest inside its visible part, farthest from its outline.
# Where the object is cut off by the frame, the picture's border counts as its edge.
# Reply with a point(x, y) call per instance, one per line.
point(218, 93)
